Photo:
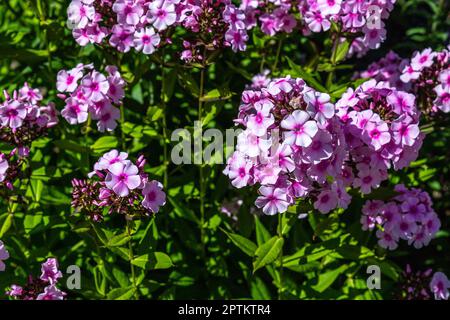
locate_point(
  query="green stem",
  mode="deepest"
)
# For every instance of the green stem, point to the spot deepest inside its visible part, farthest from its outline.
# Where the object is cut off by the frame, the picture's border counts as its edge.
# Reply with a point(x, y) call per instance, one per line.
point(164, 125)
point(201, 173)
point(277, 56)
point(122, 123)
point(280, 267)
point(131, 257)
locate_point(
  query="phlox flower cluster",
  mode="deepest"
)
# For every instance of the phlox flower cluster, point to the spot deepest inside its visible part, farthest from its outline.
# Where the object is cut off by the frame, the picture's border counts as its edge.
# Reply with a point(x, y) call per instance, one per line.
point(88, 92)
point(381, 126)
point(424, 285)
point(353, 16)
point(387, 69)
point(293, 146)
point(408, 216)
point(121, 186)
point(23, 119)
point(10, 166)
point(213, 24)
point(147, 25)
point(4, 255)
point(42, 288)
point(428, 73)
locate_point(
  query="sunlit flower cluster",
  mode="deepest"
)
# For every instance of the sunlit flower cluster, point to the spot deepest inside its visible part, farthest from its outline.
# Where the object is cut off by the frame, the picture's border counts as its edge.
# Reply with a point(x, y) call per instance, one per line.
point(293, 146)
point(23, 119)
point(42, 288)
point(87, 92)
point(147, 25)
point(408, 216)
point(381, 126)
point(353, 16)
point(121, 187)
point(428, 73)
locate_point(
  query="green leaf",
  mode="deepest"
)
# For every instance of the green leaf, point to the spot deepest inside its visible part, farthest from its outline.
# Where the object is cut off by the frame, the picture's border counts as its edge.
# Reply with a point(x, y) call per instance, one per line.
point(326, 279)
point(262, 235)
point(259, 290)
point(246, 245)
point(267, 252)
point(104, 144)
point(118, 240)
point(31, 221)
point(299, 72)
point(152, 261)
point(121, 293)
point(183, 211)
point(6, 225)
point(341, 51)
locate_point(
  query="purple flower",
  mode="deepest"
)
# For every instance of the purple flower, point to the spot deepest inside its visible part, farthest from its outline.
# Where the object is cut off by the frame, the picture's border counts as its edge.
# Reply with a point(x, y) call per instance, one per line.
point(4, 255)
point(109, 159)
point(154, 197)
point(272, 200)
point(75, 111)
point(50, 272)
point(161, 14)
point(146, 40)
point(237, 39)
point(300, 130)
point(122, 37)
point(95, 86)
point(122, 177)
point(68, 81)
point(239, 170)
point(387, 239)
point(128, 11)
point(319, 105)
point(12, 114)
point(326, 201)
point(51, 292)
point(439, 285)
point(422, 59)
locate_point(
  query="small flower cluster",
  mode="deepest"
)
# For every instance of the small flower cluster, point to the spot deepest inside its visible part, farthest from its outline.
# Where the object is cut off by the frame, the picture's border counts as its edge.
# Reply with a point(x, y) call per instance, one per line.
point(408, 216)
point(91, 93)
point(23, 119)
point(146, 25)
point(293, 146)
point(387, 69)
point(428, 73)
point(42, 288)
point(421, 285)
point(353, 16)
point(4, 255)
point(10, 166)
point(381, 130)
point(121, 187)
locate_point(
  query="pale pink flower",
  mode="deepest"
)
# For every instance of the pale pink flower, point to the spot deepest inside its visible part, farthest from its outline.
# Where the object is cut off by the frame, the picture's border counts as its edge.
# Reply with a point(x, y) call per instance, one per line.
point(122, 178)
point(301, 130)
point(161, 14)
point(272, 200)
point(154, 197)
point(4, 255)
point(440, 286)
point(146, 40)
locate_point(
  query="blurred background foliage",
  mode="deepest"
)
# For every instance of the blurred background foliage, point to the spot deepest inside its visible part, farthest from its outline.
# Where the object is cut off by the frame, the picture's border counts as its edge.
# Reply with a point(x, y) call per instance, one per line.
point(323, 256)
